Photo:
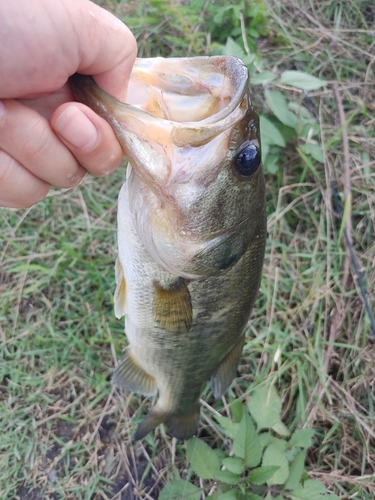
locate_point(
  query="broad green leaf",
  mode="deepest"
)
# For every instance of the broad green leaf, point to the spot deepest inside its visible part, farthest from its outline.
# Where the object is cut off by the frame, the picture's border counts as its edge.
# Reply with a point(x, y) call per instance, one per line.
point(279, 107)
point(312, 490)
point(228, 427)
point(271, 164)
point(246, 442)
point(313, 150)
point(269, 133)
point(231, 48)
point(261, 474)
point(301, 80)
point(265, 408)
point(202, 458)
point(264, 77)
point(296, 470)
point(302, 112)
point(302, 438)
point(281, 429)
point(229, 495)
point(275, 455)
point(291, 453)
point(252, 496)
point(308, 130)
point(236, 409)
point(235, 465)
point(266, 438)
point(175, 473)
point(180, 490)
point(228, 477)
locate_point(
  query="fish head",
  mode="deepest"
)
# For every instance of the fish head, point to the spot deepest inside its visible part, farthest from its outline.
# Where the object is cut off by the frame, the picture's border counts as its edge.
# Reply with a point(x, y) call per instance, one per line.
point(195, 181)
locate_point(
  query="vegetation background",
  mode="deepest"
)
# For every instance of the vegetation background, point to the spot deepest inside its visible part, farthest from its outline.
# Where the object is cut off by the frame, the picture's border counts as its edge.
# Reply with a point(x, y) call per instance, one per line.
point(65, 432)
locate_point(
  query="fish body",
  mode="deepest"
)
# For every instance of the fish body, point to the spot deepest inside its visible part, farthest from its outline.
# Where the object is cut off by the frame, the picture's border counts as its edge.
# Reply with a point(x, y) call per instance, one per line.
point(191, 229)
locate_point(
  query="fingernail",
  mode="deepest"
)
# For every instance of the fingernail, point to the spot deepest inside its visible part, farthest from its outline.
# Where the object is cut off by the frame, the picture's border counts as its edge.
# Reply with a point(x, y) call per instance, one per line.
point(74, 126)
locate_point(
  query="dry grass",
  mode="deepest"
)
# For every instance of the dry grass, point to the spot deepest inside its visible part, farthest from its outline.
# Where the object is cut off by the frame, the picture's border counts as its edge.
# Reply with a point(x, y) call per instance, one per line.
point(67, 434)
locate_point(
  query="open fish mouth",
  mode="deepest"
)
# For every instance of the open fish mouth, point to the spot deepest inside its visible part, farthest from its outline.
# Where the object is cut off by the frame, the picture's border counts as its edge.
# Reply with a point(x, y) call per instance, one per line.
point(200, 89)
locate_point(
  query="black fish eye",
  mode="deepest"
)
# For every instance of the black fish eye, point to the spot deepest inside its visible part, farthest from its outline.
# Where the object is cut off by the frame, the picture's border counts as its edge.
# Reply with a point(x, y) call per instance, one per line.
point(247, 161)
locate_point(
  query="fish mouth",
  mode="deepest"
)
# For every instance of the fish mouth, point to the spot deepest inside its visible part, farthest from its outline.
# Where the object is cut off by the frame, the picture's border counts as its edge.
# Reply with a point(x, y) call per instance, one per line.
point(199, 93)
point(172, 104)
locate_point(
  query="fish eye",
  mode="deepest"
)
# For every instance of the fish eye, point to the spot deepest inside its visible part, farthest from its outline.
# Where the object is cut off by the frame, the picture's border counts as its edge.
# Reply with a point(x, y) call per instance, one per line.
point(247, 160)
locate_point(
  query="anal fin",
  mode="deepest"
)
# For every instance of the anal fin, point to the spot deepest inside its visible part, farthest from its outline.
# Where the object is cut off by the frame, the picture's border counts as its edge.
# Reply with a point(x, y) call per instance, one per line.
point(172, 308)
point(131, 377)
point(224, 374)
point(120, 292)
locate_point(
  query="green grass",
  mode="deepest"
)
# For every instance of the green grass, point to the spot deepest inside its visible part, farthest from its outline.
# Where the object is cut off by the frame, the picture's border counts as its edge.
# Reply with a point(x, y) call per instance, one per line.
point(65, 432)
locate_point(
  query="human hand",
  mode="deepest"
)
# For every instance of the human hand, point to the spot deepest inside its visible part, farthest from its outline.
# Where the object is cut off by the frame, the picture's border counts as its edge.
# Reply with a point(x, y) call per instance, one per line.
point(47, 139)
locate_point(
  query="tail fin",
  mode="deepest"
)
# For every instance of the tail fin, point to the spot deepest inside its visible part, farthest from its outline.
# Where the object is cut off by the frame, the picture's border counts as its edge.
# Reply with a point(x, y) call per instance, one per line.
point(179, 426)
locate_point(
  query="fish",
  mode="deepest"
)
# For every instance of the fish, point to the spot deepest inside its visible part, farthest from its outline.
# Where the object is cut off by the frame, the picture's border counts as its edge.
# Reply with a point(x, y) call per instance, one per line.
point(191, 229)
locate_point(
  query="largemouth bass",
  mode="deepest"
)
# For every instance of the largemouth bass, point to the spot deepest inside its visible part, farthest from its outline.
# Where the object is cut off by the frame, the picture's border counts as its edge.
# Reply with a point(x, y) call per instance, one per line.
point(191, 229)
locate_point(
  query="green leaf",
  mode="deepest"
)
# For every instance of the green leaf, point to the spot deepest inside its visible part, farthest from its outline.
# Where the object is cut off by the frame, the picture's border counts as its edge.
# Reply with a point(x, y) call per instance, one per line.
point(302, 438)
point(226, 476)
point(312, 490)
point(269, 133)
point(246, 442)
point(236, 409)
point(266, 439)
point(275, 455)
point(233, 464)
point(302, 112)
point(202, 458)
point(296, 470)
point(229, 495)
point(265, 408)
point(228, 427)
point(232, 48)
point(175, 473)
point(313, 150)
point(180, 490)
point(279, 107)
point(301, 80)
point(252, 496)
point(291, 453)
point(264, 77)
point(261, 474)
point(281, 429)
point(271, 164)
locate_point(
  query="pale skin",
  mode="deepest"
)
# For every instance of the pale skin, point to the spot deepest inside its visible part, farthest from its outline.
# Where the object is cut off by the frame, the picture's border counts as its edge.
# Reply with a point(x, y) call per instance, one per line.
point(47, 139)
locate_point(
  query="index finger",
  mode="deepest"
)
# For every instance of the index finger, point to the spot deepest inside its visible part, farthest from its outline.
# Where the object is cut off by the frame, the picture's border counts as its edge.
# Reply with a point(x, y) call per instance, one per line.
point(65, 37)
point(110, 57)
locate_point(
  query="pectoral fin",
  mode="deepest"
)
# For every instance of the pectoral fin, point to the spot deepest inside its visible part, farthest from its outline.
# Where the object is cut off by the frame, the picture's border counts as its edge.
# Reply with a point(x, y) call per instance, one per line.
point(224, 374)
point(131, 377)
point(120, 292)
point(172, 308)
